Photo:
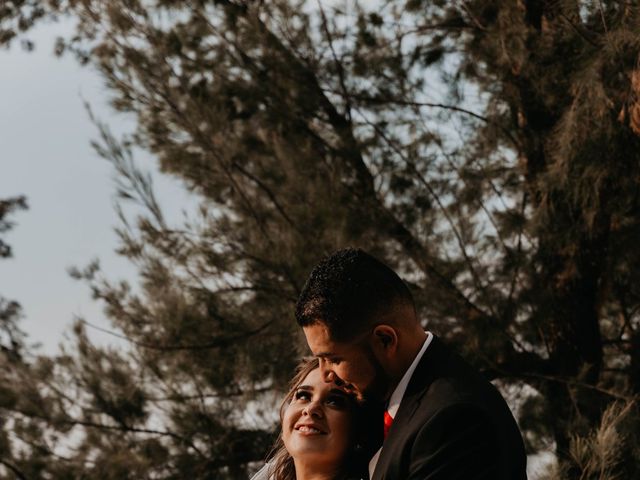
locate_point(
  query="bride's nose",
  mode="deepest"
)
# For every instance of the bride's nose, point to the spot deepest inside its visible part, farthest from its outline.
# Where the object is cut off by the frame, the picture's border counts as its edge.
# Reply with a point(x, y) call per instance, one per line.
point(313, 409)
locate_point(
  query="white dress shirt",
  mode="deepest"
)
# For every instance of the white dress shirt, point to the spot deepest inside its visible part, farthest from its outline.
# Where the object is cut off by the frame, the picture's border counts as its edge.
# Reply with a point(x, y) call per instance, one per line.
point(398, 393)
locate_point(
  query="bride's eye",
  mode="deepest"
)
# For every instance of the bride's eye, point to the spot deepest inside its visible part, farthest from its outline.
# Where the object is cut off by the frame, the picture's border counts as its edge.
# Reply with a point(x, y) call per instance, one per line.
point(302, 395)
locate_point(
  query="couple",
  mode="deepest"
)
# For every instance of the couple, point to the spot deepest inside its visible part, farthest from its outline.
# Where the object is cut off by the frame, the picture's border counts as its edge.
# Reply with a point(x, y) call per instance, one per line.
point(440, 420)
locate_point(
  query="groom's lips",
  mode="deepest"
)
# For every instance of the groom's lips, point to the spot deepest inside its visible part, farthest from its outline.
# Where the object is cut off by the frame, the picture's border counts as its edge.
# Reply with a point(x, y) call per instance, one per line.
point(347, 387)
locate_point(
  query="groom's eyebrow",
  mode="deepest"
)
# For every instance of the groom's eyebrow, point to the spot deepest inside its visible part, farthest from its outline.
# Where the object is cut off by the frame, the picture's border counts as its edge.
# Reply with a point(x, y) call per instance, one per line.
point(325, 354)
point(338, 391)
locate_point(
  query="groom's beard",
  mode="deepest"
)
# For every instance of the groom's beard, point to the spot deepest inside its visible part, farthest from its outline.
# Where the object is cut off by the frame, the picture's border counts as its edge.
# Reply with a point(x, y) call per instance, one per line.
point(380, 387)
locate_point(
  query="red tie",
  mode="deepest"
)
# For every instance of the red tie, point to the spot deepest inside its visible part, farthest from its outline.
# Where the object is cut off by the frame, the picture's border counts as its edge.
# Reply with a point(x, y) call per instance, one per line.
point(388, 420)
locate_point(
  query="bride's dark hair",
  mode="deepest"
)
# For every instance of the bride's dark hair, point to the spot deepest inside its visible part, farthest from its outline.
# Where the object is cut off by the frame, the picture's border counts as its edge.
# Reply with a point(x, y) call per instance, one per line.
point(356, 462)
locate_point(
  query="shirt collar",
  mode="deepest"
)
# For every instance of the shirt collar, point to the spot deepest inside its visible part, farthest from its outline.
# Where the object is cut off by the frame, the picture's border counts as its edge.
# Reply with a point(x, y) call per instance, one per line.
point(398, 393)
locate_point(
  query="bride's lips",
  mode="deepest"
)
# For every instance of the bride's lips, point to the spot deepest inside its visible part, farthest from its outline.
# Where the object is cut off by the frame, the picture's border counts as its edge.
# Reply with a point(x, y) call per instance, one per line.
point(309, 429)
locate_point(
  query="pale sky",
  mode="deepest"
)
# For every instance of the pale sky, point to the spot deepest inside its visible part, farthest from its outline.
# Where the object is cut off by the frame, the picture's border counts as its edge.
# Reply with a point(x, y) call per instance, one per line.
point(45, 154)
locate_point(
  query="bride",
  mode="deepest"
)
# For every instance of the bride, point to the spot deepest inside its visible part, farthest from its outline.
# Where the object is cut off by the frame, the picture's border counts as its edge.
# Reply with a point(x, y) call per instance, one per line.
point(325, 433)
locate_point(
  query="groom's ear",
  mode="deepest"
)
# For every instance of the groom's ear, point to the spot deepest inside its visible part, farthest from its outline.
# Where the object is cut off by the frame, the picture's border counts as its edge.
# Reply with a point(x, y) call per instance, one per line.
point(385, 340)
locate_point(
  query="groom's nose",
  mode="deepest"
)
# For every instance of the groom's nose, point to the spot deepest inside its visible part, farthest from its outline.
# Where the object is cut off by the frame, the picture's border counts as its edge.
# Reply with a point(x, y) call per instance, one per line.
point(328, 375)
point(336, 379)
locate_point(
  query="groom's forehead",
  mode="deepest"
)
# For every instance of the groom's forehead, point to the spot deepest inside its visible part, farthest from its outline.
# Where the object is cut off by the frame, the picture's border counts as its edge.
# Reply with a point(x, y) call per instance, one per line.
point(320, 341)
point(320, 333)
point(318, 330)
point(318, 337)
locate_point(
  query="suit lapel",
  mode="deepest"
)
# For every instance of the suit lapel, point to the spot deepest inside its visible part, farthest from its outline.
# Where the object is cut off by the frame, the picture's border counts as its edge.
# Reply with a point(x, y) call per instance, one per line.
point(396, 436)
point(424, 374)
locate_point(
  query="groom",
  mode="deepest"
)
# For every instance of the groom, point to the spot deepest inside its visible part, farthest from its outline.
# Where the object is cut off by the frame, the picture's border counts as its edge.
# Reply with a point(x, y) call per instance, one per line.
point(443, 420)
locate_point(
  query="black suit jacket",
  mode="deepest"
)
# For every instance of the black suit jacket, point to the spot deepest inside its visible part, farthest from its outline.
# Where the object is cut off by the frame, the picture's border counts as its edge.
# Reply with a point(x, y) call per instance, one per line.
point(452, 424)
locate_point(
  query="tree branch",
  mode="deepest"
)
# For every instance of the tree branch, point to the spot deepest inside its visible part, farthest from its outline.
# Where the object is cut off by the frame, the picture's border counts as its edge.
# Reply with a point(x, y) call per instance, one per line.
point(13, 469)
point(220, 342)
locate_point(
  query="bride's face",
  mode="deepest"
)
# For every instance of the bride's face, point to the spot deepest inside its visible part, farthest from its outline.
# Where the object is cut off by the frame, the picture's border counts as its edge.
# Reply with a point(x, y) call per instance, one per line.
point(317, 426)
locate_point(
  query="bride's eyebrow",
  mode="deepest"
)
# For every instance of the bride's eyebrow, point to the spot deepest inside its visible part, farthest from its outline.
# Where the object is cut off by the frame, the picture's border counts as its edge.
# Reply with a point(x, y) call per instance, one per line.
point(304, 387)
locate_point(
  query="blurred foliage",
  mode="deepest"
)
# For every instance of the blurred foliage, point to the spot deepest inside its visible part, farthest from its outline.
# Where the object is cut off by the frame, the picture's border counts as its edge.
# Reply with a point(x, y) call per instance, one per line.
point(603, 452)
point(487, 150)
point(11, 337)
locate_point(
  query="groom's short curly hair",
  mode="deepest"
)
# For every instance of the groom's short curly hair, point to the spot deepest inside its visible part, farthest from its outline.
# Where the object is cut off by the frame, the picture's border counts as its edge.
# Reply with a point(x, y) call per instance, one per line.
point(348, 292)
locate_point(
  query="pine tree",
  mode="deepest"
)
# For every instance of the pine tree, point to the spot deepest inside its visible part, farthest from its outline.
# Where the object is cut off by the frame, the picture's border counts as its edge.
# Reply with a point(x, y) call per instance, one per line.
point(487, 150)
point(12, 338)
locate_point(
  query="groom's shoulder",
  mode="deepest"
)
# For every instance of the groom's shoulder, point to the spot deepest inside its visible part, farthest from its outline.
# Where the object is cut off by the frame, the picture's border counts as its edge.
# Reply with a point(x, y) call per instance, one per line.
point(449, 379)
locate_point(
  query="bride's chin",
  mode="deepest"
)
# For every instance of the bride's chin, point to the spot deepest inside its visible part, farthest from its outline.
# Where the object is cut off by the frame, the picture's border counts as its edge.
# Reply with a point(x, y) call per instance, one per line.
point(308, 446)
point(315, 463)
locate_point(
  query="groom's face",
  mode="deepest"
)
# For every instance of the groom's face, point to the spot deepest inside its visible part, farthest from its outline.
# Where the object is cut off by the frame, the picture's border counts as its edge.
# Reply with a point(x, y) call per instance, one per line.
point(352, 365)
